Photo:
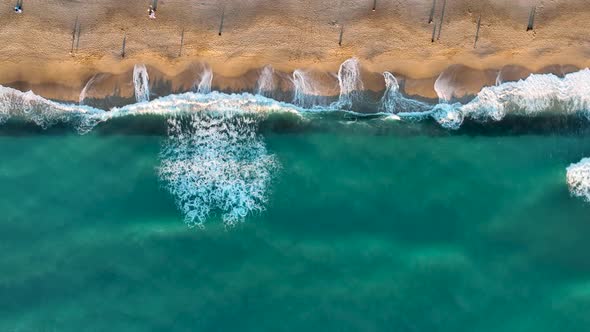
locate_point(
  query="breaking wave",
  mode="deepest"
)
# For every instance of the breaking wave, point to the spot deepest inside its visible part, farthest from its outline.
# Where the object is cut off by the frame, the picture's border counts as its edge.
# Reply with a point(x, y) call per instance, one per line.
point(215, 162)
point(191, 102)
point(537, 94)
point(578, 179)
point(31, 108)
point(46, 113)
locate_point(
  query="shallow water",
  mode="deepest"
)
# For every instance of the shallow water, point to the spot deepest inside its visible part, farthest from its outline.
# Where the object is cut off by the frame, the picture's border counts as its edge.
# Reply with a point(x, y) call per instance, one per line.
point(402, 228)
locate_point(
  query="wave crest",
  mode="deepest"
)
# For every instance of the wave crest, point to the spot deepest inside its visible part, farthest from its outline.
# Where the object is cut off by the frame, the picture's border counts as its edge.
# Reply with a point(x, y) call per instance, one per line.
point(536, 94)
point(543, 93)
point(448, 115)
point(191, 102)
point(29, 107)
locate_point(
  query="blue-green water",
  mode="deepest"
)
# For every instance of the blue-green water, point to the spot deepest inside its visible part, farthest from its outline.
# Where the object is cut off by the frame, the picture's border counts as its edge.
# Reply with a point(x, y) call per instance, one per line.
point(366, 227)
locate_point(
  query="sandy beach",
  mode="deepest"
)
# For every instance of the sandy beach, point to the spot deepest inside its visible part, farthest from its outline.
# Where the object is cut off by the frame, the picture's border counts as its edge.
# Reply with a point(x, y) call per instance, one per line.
point(287, 34)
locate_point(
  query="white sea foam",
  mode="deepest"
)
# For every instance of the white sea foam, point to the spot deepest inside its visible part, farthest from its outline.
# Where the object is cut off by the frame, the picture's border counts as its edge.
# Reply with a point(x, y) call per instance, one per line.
point(535, 95)
point(499, 79)
point(205, 81)
point(85, 89)
point(191, 102)
point(578, 179)
point(393, 117)
point(351, 84)
point(539, 93)
point(448, 115)
point(141, 83)
point(305, 92)
point(217, 163)
point(214, 161)
point(265, 84)
point(394, 102)
point(30, 107)
point(443, 88)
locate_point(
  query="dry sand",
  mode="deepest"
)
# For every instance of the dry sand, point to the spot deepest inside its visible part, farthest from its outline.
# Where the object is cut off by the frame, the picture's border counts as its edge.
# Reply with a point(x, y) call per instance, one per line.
point(287, 34)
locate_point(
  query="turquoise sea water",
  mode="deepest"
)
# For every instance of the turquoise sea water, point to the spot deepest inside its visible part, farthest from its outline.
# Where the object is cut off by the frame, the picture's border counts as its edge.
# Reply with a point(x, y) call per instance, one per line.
point(367, 225)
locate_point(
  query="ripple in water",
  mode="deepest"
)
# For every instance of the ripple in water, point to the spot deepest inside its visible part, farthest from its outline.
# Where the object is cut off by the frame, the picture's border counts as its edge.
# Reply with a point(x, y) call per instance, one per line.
point(215, 162)
point(578, 179)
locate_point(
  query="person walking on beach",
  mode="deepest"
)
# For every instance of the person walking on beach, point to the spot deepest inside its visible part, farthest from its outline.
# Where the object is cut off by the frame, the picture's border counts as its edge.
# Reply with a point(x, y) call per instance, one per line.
point(152, 9)
point(18, 8)
point(151, 12)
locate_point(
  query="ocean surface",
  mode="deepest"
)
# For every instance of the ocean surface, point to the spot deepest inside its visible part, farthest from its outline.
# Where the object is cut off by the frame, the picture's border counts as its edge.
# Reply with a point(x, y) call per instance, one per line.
point(215, 212)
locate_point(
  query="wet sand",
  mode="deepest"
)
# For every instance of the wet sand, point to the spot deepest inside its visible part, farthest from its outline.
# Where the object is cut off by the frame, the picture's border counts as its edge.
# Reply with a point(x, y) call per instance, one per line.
point(288, 35)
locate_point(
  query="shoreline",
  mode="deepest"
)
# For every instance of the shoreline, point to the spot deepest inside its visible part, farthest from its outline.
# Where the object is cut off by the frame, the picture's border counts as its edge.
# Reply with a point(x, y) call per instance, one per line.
point(463, 82)
point(288, 36)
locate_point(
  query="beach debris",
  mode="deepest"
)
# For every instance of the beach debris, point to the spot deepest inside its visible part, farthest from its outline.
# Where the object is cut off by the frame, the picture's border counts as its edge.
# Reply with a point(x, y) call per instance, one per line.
point(477, 31)
point(374, 5)
point(341, 34)
point(531, 24)
point(442, 18)
point(181, 42)
point(124, 43)
point(18, 7)
point(431, 18)
point(433, 31)
point(221, 22)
